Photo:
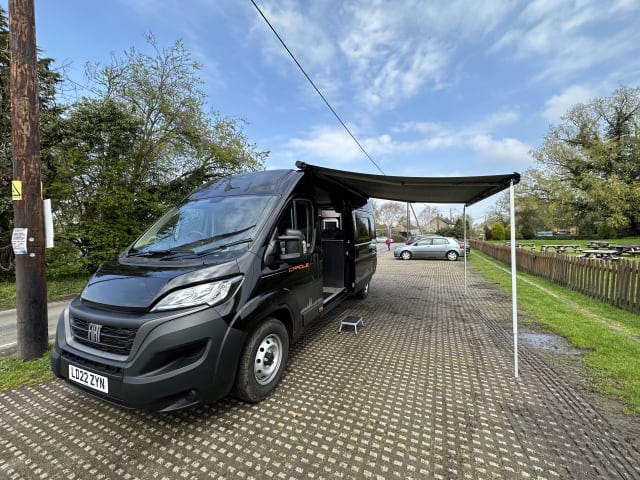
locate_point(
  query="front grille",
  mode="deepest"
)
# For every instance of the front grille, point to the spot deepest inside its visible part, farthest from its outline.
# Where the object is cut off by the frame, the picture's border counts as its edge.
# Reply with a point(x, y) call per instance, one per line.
point(91, 364)
point(116, 340)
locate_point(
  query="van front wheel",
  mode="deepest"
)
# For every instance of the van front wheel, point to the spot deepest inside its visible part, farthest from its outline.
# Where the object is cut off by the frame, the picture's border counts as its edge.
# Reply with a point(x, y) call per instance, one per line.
point(263, 360)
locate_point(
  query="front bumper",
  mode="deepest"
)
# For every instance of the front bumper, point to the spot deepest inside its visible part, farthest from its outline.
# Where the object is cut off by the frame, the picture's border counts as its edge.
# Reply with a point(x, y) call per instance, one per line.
point(176, 360)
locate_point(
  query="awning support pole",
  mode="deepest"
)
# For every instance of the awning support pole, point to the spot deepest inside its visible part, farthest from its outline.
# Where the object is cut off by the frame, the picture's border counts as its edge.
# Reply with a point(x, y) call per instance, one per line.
point(464, 220)
point(514, 293)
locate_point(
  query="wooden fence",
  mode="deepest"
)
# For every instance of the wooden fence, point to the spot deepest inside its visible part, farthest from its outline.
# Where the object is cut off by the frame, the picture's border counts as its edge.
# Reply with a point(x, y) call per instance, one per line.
point(613, 282)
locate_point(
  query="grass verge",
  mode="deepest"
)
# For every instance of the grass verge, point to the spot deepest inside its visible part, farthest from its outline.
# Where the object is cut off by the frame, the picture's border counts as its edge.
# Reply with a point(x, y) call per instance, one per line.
point(16, 373)
point(57, 289)
point(13, 371)
point(609, 335)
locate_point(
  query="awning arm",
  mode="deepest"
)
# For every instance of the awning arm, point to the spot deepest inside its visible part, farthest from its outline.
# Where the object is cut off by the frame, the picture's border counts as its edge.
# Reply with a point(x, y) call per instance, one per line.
point(514, 293)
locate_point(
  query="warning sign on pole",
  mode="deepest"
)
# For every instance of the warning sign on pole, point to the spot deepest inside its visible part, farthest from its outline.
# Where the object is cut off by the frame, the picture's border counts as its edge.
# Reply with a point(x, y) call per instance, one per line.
point(16, 190)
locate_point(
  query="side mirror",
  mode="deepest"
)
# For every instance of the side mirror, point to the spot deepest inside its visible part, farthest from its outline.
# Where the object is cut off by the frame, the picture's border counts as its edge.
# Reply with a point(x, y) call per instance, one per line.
point(292, 246)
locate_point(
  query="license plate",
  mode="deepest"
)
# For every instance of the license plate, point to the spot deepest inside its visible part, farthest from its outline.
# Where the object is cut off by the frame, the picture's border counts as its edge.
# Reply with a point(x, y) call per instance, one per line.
point(88, 379)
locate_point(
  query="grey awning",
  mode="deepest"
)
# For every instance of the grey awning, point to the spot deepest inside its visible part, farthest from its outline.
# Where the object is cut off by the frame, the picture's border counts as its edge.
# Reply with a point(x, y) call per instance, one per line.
point(465, 190)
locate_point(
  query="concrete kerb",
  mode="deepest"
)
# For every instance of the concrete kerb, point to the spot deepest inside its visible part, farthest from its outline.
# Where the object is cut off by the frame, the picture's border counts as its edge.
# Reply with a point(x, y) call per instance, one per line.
point(426, 390)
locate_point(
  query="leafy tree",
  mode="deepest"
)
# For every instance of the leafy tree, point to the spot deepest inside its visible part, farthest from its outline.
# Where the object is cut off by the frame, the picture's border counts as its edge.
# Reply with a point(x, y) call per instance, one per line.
point(180, 145)
point(540, 204)
point(138, 145)
point(97, 202)
point(457, 230)
point(596, 151)
point(459, 227)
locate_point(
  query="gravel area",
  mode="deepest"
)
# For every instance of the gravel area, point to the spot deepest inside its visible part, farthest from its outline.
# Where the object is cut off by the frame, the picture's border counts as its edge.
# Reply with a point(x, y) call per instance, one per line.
point(426, 389)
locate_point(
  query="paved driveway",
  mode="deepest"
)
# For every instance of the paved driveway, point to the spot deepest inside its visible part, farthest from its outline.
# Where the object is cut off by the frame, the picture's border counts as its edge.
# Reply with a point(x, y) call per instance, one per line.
point(425, 390)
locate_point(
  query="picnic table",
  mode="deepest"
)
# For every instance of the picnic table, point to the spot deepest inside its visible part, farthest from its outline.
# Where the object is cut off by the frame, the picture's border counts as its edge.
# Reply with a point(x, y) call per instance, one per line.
point(532, 246)
point(560, 248)
point(630, 249)
point(600, 254)
point(598, 244)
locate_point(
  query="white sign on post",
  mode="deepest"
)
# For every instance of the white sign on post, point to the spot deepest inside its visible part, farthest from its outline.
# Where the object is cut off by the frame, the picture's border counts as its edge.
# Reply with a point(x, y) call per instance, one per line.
point(19, 241)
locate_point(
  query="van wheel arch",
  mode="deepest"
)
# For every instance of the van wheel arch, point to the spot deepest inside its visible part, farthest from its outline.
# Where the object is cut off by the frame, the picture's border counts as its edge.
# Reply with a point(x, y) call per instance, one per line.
point(262, 361)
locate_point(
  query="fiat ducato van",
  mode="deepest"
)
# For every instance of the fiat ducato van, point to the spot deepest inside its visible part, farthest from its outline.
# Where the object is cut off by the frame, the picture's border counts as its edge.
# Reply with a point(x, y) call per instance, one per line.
point(206, 302)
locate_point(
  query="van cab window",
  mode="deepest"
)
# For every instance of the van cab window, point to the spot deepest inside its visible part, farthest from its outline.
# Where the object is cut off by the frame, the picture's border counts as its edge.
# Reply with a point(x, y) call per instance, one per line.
point(204, 225)
point(299, 216)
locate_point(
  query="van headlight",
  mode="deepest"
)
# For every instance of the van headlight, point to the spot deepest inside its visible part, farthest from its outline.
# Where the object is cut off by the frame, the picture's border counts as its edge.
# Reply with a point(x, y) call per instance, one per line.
point(204, 294)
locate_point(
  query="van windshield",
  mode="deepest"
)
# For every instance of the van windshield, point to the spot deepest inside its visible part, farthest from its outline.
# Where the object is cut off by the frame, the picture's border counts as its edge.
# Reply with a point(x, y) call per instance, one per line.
point(204, 225)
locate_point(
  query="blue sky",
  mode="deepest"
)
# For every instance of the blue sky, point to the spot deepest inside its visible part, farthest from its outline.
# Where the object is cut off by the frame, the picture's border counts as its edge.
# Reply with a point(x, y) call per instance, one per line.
point(429, 88)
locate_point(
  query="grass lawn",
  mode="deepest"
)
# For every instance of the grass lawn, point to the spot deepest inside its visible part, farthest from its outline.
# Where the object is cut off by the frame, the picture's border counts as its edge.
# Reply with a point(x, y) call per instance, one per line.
point(611, 336)
point(539, 242)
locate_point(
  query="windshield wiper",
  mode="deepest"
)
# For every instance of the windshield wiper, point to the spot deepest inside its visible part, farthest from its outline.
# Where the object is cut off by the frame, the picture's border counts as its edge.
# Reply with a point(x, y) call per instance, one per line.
point(158, 253)
point(231, 234)
point(225, 245)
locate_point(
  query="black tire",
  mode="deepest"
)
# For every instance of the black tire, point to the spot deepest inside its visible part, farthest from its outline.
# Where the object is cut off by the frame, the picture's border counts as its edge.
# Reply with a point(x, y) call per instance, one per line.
point(406, 255)
point(262, 361)
point(363, 292)
point(452, 255)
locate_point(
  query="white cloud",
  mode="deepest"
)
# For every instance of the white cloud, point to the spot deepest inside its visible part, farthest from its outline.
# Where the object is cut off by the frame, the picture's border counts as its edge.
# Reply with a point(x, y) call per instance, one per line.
point(506, 151)
point(307, 39)
point(566, 39)
point(501, 118)
point(556, 106)
point(325, 142)
point(403, 76)
point(417, 140)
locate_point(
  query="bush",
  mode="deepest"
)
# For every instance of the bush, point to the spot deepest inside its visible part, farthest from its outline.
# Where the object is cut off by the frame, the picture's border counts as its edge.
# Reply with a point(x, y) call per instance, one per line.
point(497, 231)
point(527, 232)
point(606, 232)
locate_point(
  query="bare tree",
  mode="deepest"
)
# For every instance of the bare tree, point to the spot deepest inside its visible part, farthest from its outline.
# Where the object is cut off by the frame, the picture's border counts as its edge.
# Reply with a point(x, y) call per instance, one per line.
point(389, 214)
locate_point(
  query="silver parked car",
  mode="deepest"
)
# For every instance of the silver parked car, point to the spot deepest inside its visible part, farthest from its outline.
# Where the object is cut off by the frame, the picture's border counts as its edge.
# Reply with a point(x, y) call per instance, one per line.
point(431, 247)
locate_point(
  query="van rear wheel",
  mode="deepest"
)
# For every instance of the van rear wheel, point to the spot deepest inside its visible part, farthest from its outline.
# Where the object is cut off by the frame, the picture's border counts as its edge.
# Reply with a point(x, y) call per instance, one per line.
point(363, 292)
point(262, 361)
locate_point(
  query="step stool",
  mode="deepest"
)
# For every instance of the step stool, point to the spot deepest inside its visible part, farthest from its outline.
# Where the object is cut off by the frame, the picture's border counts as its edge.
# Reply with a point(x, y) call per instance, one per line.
point(351, 321)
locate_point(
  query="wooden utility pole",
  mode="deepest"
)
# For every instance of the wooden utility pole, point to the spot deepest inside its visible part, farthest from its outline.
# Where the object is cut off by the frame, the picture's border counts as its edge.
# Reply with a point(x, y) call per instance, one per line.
point(29, 244)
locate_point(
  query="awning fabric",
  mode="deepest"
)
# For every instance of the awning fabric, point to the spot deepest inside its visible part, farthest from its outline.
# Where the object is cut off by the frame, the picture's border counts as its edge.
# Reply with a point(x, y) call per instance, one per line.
point(464, 190)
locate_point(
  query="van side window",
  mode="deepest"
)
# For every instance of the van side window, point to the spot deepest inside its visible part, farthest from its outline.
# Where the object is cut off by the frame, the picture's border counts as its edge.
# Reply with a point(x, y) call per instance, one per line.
point(299, 216)
point(363, 227)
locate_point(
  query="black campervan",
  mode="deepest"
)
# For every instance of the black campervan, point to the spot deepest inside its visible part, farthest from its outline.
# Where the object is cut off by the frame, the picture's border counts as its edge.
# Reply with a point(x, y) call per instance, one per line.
point(207, 301)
